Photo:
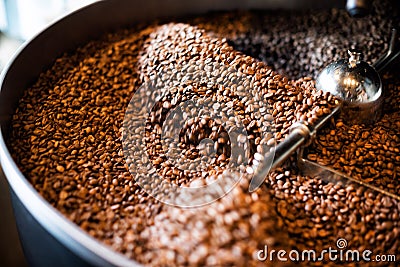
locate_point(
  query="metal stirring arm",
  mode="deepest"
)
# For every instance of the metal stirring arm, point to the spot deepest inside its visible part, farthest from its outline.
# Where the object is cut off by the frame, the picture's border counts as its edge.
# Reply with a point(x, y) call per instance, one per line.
point(392, 53)
point(302, 132)
point(298, 139)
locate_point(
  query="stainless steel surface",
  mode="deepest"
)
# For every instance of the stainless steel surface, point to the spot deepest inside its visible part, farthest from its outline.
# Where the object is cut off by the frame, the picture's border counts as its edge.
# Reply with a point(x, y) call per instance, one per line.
point(65, 35)
point(301, 135)
point(359, 8)
point(391, 55)
point(357, 84)
point(286, 148)
point(359, 87)
point(11, 254)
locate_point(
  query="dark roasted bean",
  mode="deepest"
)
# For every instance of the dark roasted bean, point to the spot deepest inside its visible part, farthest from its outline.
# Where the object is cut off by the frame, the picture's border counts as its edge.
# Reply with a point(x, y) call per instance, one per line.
point(67, 138)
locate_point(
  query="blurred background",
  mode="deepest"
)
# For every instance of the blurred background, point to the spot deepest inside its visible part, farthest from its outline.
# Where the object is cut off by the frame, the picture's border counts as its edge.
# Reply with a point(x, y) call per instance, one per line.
point(20, 20)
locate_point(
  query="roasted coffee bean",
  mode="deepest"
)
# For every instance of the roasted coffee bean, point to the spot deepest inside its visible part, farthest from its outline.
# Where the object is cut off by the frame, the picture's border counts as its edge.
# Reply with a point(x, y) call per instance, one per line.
point(67, 138)
point(367, 152)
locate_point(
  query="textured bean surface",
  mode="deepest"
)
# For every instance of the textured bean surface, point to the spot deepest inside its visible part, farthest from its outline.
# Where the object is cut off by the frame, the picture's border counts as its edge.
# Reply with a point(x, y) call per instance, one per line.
point(67, 140)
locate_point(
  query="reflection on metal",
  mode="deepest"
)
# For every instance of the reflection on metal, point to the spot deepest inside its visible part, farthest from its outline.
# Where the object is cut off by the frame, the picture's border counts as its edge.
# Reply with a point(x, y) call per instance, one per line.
point(357, 85)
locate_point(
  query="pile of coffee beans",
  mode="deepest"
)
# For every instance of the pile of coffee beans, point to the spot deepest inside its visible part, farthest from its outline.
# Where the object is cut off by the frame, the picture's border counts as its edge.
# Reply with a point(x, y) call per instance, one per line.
point(229, 231)
point(369, 153)
point(70, 141)
point(260, 99)
point(318, 214)
point(301, 43)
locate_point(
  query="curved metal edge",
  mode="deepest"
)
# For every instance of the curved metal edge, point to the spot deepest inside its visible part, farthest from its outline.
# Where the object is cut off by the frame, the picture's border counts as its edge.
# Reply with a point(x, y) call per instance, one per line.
point(53, 221)
point(64, 230)
point(68, 233)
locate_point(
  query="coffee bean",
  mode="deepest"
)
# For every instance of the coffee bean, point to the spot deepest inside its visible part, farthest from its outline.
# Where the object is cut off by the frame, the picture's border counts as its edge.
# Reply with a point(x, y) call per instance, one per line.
point(67, 138)
point(60, 168)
